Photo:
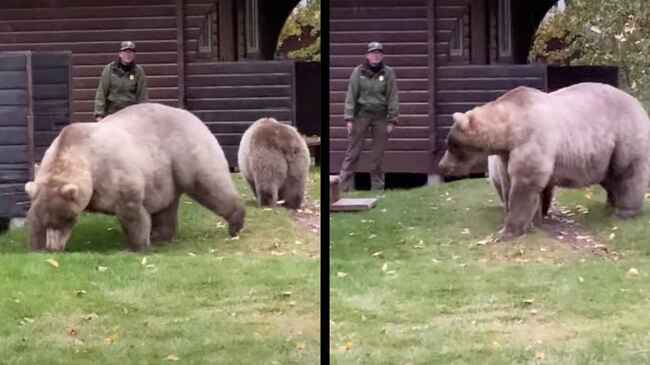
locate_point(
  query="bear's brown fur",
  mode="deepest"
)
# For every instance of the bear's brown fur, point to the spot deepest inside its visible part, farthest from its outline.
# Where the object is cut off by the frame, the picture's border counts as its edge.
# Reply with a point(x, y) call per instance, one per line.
point(274, 159)
point(498, 176)
point(585, 134)
point(133, 164)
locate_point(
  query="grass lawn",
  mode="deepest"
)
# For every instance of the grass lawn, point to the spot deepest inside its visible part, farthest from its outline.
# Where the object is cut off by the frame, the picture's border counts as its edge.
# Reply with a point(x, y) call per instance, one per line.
point(414, 281)
point(203, 299)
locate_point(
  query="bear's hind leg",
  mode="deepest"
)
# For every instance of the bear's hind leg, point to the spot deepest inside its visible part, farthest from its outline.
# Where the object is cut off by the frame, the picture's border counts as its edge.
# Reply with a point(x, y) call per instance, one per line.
point(164, 223)
point(628, 197)
point(267, 192)
point(136, 223)
point(293, 193)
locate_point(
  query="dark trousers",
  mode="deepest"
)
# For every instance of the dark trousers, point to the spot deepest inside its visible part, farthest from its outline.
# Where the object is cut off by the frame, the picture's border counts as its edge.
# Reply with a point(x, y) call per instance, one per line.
point(355, 146)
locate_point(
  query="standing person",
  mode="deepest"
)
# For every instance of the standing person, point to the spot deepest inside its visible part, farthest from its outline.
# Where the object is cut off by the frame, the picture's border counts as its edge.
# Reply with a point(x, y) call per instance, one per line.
point(123, 83)
point(372, 104)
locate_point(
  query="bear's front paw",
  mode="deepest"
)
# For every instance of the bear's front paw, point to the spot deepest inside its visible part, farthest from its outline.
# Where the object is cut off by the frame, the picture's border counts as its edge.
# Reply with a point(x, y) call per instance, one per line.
point(505, 235)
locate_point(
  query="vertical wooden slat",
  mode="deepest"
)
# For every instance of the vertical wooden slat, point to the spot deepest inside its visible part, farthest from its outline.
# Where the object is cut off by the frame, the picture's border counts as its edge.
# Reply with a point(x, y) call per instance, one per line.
point(431, 20)
point(479, 32)
point(30, 115)
point(69, 86)
point(180, 49)
point(293, 93)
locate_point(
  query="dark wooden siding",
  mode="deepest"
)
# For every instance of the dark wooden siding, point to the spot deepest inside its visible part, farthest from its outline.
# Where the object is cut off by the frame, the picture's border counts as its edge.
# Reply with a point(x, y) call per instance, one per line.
point(51, 97)
point(461, 88)
point(14, 167)
point(406, 34)
point(34, 106)
point(93, 31)
point(230, 96)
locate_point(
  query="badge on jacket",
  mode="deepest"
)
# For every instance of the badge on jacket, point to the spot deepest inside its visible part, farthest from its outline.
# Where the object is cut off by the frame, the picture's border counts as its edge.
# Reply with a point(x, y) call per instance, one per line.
point(131, 77)
point(381, 77)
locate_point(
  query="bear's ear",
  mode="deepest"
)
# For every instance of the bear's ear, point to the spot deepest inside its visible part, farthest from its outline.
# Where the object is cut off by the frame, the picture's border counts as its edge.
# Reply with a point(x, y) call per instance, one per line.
point(69, 191)
point(463, 120)
point(31, 188)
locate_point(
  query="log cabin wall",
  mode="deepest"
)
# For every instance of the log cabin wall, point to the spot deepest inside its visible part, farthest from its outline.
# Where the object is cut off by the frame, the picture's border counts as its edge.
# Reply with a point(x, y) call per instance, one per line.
point(187, 47)
point(93, 31)
point(14, 159)
point(228, 84)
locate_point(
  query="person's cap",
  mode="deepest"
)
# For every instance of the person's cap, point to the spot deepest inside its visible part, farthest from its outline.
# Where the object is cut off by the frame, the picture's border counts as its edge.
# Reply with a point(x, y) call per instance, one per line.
point(375, 46)
point(127, 45)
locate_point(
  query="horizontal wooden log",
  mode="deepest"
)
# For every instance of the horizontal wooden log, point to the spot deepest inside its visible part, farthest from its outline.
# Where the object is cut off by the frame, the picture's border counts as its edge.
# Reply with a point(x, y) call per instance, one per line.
point(13, 79)
point(239, 79)
point(385, 36)
point(259, 67)
point(378, 24)
point(239, 103)
point(235, 92)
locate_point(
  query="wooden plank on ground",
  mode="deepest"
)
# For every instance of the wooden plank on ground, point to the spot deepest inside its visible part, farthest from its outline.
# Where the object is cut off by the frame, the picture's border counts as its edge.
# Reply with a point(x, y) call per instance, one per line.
point(353, 204)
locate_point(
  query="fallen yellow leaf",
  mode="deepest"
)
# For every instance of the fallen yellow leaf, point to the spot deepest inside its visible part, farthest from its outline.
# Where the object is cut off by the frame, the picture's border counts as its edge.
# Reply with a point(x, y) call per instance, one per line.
point(172, 357)
point(52, 262)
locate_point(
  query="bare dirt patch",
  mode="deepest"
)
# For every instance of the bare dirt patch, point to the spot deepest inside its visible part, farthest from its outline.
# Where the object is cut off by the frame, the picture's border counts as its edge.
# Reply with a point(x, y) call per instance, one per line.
point(561, 238)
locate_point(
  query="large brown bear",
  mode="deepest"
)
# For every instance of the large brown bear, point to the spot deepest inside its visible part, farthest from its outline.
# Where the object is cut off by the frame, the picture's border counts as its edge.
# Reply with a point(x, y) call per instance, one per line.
point(585, 134)
point(134, 164)
point(274, 159)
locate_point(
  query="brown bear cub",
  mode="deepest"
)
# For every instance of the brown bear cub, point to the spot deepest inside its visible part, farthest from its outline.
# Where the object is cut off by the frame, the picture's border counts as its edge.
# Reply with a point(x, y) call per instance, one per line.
point(134, 164)
point(274, 159)
point(581, 135)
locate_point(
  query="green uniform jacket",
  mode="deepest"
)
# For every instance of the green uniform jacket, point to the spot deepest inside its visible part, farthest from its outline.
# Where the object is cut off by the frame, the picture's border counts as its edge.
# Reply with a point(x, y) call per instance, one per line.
point(372, 93)
point(118, 89)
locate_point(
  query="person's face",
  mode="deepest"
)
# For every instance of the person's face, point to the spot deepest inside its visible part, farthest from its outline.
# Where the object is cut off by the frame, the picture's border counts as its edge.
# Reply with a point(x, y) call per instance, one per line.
point(126, 56)
point(374, 57)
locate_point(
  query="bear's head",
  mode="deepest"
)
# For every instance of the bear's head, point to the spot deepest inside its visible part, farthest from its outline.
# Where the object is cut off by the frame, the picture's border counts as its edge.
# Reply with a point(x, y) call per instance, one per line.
point(54, 209)
point(463, 151)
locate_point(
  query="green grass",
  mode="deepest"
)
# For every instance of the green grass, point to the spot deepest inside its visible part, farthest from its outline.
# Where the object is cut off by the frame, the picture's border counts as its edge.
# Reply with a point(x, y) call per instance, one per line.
point(203, 299)
point(412, 284)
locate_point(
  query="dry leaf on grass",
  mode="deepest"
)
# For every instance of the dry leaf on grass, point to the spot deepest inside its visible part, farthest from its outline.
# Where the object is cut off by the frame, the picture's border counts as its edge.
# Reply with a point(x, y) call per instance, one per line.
point(52, 262)
point(341, 274)
point(172, 357)
point(102, 268)
point(539, 355)
point(632, 272)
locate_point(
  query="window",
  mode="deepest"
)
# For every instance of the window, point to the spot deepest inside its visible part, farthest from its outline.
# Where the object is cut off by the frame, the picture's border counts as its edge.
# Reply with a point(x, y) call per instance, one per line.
point(252, 31)
point(207, 36)
point(505, 29)
point(457, 38)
